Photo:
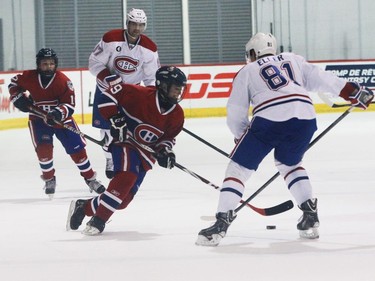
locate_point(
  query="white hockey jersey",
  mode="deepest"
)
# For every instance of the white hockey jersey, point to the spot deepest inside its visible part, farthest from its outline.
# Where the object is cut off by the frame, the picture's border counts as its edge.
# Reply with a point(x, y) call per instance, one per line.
point(278, 89)
point(133, 63)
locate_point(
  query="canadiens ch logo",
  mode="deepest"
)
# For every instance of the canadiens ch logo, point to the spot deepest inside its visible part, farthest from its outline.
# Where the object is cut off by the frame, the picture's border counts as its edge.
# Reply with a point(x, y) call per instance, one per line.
point(147, 134)
point(126, 65)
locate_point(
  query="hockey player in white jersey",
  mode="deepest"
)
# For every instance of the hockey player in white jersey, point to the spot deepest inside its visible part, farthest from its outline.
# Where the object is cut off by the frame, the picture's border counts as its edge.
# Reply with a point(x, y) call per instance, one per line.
point(122, 55)
point(283, 120)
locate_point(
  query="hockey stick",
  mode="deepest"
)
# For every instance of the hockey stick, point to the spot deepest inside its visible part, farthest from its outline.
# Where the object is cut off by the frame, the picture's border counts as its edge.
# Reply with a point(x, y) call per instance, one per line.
point(333, 124)
point(331, 103)
point(205, 142)
point(285, 206)
point(267, 211)
point(43, 114)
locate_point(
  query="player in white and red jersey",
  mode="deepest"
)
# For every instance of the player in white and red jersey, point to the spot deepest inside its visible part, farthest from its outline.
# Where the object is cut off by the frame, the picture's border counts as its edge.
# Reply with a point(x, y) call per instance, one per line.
point(283, 120)
point(139, 116)
point(130, 55)
point(53, 92)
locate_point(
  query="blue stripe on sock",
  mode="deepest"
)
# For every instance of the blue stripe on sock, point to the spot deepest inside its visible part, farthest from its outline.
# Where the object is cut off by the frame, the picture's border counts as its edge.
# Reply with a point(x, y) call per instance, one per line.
point(296, 180)
point(229, 189)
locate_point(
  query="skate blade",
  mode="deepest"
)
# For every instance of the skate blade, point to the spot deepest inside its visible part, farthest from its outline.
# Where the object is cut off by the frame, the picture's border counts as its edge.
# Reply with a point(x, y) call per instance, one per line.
point(91, 231)
point(204, 241)
point(311, 233)
point(100, 190)
point(208, 218)
point(70, 213)
point(50, 196)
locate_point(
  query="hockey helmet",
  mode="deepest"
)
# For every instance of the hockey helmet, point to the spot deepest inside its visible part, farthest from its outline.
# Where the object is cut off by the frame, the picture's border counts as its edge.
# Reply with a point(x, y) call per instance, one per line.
point(46, 53)
point(262, 44)
point(137, 16)
point(166, 76)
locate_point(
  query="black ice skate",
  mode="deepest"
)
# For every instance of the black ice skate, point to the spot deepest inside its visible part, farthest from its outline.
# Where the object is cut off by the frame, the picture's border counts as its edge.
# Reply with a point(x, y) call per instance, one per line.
point(212, 235)
point(109, 168)
point(50, 187)
point(95, 185)
point(76, 214)
point(309, 222)
point(94, 226)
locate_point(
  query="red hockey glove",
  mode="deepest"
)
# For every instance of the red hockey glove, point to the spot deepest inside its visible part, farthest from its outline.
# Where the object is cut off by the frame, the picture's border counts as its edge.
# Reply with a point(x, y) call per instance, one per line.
point(360, 97)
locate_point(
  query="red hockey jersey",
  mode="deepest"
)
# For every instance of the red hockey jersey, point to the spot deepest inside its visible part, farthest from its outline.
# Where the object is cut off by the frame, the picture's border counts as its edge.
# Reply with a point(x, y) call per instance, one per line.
point(58, 92)
point(147, 123)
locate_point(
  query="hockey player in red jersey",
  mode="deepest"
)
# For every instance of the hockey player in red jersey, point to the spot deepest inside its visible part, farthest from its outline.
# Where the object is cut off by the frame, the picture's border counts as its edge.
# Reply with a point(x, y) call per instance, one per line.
point(53, 92)
point(139, 116)
point(130, 55)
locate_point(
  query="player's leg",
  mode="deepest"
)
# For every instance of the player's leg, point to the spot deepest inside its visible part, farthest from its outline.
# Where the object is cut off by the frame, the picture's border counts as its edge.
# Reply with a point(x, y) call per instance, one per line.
point(104, 125)
point(246, 156)
point(288, 157)
point(42, 139)
point(75, 145)
point(128, 176)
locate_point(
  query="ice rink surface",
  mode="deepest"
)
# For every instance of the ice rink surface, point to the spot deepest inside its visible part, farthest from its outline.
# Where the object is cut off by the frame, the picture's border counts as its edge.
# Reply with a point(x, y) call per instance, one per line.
point(153, 239)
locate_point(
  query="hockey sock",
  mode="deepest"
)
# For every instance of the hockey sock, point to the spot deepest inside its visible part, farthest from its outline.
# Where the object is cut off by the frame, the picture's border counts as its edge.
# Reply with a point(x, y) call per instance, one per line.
point(117, 191)
point(45, 156)
point(83, 163)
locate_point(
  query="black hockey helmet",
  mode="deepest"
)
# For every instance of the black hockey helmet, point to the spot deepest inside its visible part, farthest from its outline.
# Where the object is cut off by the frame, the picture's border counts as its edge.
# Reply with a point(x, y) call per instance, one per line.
point(46, 53)
point(167, 76)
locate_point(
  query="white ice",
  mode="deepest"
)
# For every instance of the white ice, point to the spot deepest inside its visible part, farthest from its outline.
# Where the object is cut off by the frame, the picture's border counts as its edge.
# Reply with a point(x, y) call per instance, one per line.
point(153, 239)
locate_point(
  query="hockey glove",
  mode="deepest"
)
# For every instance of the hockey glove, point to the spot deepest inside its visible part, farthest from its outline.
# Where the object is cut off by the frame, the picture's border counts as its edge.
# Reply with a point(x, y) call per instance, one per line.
point(114, 84)
point(22, 102)
point(119, 128)
point(53, 116)
point(360, 97)
point(166, 157)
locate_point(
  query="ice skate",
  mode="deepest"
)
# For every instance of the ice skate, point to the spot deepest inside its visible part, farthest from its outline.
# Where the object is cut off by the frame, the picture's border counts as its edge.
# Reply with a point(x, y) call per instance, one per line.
point(94, 226)
point(76, 214)
point(212, 235)
point(309, 222)
point(109, 168)
point(50, 187)
point(95, 185)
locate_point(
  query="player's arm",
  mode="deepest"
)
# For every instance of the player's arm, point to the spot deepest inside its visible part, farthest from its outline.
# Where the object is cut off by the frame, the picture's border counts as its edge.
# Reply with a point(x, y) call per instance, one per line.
point(17, 94)
point(238, 106)
point(164, 148)
point(358, 95)
point(65, 109)
point(149, 69)
point(98, 61)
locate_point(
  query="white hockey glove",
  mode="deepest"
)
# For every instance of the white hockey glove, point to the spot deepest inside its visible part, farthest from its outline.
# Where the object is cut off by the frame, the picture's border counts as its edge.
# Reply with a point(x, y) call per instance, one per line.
point(119, 128)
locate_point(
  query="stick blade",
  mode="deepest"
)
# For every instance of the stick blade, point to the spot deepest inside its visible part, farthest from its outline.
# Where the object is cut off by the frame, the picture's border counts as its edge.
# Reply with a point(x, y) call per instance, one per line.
point(281, 208)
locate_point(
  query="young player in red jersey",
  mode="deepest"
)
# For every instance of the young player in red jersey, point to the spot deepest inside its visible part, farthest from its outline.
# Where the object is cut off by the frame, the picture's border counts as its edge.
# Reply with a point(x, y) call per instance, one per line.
point(53, 92)
point(139, 116)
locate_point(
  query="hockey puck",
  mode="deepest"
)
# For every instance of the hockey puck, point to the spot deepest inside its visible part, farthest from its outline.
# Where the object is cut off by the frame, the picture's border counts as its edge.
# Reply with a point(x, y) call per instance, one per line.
point(271, 226)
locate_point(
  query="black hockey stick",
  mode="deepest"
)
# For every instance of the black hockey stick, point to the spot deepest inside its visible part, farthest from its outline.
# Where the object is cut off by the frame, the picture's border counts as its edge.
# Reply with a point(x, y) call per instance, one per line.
point(267, 211)
point(205, 142)
point(285, 206)
point(342, 116)
point(43, 114)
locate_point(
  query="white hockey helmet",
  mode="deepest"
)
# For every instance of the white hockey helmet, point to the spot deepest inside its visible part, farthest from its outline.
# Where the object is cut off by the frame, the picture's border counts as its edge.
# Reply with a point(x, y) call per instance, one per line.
point(262, 44)
point(137, 16)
